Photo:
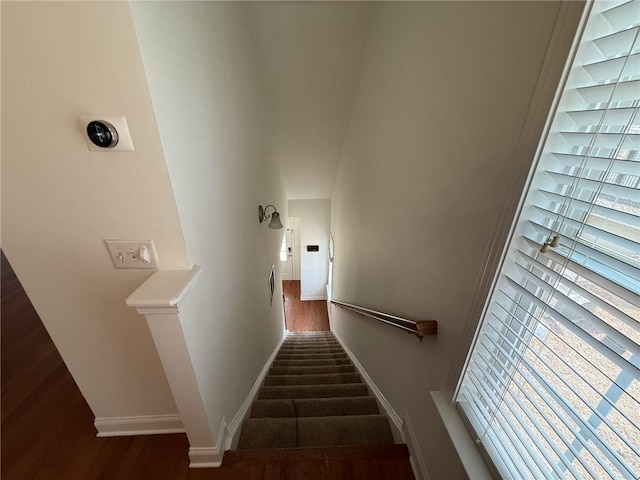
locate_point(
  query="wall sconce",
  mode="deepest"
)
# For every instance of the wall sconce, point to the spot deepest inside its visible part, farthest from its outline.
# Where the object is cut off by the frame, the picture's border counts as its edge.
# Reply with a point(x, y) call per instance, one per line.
point(275, 222)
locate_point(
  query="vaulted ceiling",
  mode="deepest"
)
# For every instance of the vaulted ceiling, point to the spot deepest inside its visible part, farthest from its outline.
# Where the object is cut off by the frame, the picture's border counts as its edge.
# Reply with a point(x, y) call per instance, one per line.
point(310, 53)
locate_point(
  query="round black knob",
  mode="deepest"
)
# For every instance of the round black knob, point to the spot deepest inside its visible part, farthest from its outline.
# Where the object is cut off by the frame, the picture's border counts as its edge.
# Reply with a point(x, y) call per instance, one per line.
point(102, 134)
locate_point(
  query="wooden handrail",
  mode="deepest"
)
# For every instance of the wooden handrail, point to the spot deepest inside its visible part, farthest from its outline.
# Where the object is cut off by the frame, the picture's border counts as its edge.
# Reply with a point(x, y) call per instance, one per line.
point(419, 328)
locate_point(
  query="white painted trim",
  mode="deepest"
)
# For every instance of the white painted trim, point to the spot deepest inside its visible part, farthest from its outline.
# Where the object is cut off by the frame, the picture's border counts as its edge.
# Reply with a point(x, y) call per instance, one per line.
point(140, 425)
point(395, 419)
point(416, 459)
point(210, 457)
point(315, 297)
point(164, 289)
point(468, 452)
point(159, 298)
point(236, 422)
point(204, 457)
point(402, 429)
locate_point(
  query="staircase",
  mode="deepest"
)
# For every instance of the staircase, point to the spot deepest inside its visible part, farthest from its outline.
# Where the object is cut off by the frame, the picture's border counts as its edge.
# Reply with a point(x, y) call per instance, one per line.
point(313, 397)
point(314, 418)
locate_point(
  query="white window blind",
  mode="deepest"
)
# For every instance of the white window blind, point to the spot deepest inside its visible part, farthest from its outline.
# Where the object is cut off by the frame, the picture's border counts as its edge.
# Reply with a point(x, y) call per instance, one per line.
point(552, 384)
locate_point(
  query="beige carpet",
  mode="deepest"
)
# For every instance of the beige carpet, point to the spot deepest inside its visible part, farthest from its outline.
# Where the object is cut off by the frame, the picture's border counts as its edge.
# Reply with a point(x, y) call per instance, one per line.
point(313, 397)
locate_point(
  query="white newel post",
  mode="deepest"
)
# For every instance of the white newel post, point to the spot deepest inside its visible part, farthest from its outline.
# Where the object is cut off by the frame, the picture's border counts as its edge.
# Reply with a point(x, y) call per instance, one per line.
point(159, 299)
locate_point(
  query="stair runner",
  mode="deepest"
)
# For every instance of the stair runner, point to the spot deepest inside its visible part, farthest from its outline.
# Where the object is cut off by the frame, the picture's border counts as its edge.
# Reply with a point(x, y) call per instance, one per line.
point(313, 397)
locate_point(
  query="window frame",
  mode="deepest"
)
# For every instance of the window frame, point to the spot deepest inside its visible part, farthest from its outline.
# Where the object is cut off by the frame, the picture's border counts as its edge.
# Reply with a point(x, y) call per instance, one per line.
point(507, 251)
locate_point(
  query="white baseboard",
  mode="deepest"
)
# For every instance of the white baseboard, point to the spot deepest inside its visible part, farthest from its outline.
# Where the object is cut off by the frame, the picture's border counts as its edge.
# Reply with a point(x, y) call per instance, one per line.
point(314, 297)
point(416, 459)
point(210, 457)
point(205, 457)
point(234, 427)
point(402, 429)
point(141, 425)
point(396, 421)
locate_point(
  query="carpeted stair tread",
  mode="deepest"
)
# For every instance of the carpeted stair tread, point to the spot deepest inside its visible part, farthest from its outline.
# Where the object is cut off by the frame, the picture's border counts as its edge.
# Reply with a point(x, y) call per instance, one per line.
point(332, 351)
point(312, 369)
point(310, 356)
point(309, 362)
point(317, 333)
point(310, 340)
point(311, 347)
point(305, 351)
point(313, 379)
point(310, 343)
point(312, 350)
point(314, 391)
point(297, 346)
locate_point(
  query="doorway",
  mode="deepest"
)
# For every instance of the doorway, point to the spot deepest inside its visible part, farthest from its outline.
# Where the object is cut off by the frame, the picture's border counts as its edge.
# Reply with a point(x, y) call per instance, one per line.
point(300, 316)
point(290, 250)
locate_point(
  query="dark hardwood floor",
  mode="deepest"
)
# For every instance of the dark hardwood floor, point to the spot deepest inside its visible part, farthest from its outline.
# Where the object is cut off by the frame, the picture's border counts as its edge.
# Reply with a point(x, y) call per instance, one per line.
point(48, 434)
point(303, 316)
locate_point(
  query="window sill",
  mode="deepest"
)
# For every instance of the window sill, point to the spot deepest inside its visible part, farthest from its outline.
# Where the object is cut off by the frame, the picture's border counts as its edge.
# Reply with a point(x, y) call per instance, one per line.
point(466, 448)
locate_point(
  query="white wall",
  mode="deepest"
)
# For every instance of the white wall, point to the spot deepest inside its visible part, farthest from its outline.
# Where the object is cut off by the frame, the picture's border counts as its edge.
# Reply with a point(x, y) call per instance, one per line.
point(428, 158)
point(215, 129)
point(59, 200)
point(315, 221)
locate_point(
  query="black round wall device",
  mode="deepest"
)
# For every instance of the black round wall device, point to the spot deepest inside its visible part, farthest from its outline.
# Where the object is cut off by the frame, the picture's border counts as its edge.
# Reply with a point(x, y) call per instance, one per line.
point(102, 134)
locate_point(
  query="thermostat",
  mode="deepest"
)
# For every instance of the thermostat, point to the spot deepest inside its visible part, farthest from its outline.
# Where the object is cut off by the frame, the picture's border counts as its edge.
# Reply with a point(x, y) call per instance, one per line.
point(102, 134)
point(106, 133)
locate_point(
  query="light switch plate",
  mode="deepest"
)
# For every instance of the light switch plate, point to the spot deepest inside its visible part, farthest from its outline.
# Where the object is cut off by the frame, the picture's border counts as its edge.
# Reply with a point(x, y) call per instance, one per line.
point(127, 253)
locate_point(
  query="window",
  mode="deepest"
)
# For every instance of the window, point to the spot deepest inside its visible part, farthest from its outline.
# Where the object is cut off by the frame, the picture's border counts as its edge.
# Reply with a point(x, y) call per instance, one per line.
point(283, 248)
point(552, 384)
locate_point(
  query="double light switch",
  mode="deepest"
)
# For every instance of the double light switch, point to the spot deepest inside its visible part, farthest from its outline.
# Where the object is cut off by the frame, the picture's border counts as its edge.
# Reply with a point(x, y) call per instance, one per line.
point(132, 253)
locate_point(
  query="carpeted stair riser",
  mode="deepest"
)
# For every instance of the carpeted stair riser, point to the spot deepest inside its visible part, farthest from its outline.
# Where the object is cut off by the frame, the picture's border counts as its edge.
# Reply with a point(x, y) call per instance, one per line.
point(313, 397)
point(314, 407)
point(310, 370)
point(310, 342)
point(314, 351)
point(314, 391)
point(311, 363)
point(310, 356)
point(288, 348)
point(296, 348)
point(315, 431)
point(319, 379)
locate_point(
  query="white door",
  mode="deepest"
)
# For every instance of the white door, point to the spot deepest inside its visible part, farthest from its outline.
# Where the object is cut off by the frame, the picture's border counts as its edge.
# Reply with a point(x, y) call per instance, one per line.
point(290, 250)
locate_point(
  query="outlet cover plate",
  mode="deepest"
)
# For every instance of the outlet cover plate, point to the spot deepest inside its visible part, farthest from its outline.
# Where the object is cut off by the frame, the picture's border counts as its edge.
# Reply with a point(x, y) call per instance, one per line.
point(126, 253)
